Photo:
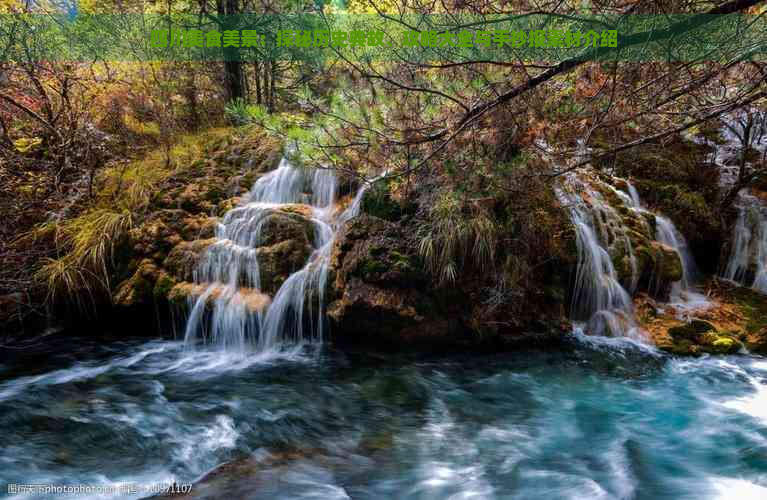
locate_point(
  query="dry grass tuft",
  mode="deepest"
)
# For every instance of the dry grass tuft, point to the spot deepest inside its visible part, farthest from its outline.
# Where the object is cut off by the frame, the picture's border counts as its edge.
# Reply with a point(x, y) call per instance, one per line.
point(456, 235)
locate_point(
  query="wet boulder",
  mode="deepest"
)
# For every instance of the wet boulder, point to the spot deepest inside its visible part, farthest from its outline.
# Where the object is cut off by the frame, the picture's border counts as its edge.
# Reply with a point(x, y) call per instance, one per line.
point(138, 289)
point(250, 299)
point(278, 261)
point(183, 259)
point(285, 225)
point(668, 265)
point(698, 337)
point(284, 246)
point(692, 330)
point(154, 237)
point(199, 227)
point(379, 290)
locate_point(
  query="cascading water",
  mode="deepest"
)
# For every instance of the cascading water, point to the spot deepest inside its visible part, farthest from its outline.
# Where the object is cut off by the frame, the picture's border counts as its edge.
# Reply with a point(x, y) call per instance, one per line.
point(598, 296)
point(747, 263)
point(284, 318)
point(744, 130)
point(683, 297)
point(231, 312)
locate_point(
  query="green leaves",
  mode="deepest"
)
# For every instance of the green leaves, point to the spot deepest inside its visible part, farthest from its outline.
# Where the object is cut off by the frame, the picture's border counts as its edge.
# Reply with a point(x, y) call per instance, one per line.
point(240, 113)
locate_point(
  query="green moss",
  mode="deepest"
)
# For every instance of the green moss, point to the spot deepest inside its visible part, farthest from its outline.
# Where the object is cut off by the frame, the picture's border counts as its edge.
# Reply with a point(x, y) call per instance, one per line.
point(163, 287)
point(720, 343)
point(680, 347)
point(383, 207)
point(372, 266)
point(754, 306)
point(691, 330)
point(622, 265)
point(142, 288)
point(215, 194)
point(249, 178)
point(699, 337)
point(623, 210)
point(669, 265)
point(376, 250)
point(405, 264)
point(554, 293)
point(645, 256)
point(724, 345)
point(378, 202)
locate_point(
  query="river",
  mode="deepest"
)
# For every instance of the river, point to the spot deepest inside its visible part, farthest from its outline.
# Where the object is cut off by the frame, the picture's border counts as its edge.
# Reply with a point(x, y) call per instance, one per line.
point(596, 419)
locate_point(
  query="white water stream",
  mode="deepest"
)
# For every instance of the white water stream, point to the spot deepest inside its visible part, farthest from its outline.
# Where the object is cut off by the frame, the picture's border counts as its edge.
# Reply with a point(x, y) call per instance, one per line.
point(746, 263)
point(232, 313)
point(599, 298)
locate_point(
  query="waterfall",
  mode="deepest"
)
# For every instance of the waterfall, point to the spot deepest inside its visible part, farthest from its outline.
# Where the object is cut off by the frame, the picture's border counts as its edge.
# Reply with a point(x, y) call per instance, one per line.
point(598, 297)
point(747, 262)
point(747, 258)
point(683, 297)
point(231, 312)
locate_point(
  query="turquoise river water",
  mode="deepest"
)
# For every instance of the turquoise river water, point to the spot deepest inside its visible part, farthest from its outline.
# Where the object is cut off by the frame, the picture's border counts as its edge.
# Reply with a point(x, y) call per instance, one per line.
point(594, 420)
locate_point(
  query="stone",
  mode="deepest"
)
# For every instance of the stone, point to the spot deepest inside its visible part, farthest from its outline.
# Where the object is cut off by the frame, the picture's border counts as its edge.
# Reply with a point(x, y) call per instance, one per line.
point(138, 289)
point(200, 227)
point(692, 330)
point(668, 265)
point(183, 293)
point(280, 260)
point(720, 344)
point(183, 259)
point(280, 226)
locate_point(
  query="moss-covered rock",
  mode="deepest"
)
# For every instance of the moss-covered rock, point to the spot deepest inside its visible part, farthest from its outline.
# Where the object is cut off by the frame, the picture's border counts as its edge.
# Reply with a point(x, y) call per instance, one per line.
point(720, 344)
point(691, 331)
point(185, 293)
point(378, 286)
point(196, 198)
point(138, 289)
point(278, 261)
point(698, 337)
point(154, 237)
point(183, 259)
point(668, 265)
point(163, 286)
point(200, 227)
point(677, 179)
point(286, 225)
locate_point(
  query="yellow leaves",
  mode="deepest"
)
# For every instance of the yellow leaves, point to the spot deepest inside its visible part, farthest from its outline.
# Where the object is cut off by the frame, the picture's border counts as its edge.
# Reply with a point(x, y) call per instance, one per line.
point(367, 7)
point(26, 144)
point(10, 6)
point(89, 6)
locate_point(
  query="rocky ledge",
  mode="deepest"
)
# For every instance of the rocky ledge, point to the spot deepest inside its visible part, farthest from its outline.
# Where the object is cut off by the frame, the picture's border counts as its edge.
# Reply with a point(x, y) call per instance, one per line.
point(381, 290)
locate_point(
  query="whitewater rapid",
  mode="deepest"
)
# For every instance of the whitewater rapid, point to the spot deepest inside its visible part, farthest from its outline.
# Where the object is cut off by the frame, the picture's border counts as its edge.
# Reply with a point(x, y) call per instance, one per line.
point(603, 419)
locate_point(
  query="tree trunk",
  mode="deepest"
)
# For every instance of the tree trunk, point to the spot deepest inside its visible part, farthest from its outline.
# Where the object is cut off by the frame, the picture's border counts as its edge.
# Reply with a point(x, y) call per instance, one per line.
point(272, 87)
point(191, 97)
point(266, 84)
point(257, 66)
point(233, 74)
